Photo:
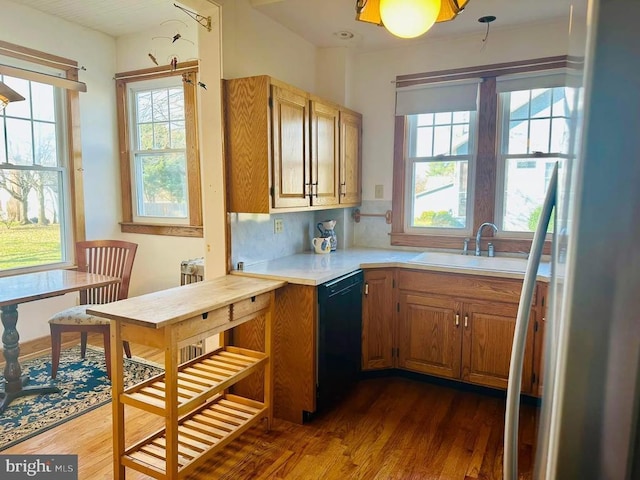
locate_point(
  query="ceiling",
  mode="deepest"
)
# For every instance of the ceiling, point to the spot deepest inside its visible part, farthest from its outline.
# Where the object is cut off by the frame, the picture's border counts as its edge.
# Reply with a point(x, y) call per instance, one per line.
point(318, 21)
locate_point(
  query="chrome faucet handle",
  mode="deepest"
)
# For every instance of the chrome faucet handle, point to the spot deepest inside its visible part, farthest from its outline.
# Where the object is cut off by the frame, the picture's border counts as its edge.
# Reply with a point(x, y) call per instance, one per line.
point(465, 247)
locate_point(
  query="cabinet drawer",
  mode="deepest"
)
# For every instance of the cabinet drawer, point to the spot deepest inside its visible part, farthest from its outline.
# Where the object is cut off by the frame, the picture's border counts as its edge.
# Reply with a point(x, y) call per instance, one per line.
point(250, 305)
point(460, 285)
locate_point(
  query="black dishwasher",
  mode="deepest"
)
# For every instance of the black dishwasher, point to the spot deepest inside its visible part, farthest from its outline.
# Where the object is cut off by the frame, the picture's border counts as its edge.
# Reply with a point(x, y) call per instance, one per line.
point(339, 337)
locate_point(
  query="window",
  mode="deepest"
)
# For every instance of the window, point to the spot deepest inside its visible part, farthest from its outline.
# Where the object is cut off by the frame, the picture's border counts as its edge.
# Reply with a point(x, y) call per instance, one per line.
point(460, 161)
point(440, 152)
point(37, 225)
point(160, 166)
point(535, 134)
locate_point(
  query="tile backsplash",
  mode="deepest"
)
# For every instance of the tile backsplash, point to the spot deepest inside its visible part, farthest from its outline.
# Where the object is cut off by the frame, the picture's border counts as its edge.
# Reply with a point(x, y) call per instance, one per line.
point(253, 237)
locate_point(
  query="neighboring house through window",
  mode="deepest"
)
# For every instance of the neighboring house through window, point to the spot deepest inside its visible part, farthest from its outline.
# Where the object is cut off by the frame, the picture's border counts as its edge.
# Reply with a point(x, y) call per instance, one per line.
point(37, 213)
point(159, 165)
point(477, 145)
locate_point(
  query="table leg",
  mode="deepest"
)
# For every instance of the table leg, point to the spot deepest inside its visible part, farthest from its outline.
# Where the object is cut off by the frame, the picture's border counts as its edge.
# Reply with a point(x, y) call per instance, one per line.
point(13, 381)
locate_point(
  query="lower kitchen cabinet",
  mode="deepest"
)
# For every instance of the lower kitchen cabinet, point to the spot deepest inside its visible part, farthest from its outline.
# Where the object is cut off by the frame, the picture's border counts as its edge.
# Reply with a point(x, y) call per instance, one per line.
point(429, 335)
point(454, 326)
point(378, 319)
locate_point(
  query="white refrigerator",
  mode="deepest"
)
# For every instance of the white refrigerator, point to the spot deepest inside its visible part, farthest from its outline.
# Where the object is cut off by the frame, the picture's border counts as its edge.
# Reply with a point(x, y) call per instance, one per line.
point(589, 426)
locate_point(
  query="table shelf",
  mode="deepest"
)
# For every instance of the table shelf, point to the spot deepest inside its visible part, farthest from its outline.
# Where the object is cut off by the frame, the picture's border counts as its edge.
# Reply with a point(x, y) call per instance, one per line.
point(208, 428)
point(198, 380)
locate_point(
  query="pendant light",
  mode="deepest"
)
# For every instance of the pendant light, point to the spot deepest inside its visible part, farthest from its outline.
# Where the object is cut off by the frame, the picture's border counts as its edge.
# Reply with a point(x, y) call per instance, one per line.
point(7, 94)
point(409, 18)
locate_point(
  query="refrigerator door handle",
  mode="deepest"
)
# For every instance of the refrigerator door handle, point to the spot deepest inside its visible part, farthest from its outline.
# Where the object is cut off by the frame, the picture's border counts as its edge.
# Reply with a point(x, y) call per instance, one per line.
point(510, 466)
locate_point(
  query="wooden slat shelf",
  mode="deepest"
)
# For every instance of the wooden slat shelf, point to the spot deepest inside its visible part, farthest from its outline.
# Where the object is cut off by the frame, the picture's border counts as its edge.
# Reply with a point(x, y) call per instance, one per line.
point(198, 380)
point(210, 427)
point(200, 416)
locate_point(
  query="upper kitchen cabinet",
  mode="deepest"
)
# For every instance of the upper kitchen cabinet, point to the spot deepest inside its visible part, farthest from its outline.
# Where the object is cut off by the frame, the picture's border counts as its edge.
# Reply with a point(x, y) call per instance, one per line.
point(350, 158)
point(287, 150)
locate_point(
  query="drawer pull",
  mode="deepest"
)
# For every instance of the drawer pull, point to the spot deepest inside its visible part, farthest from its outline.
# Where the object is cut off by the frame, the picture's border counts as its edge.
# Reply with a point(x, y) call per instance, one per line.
point(205, 315)
point(466, 321)
point(457, 319)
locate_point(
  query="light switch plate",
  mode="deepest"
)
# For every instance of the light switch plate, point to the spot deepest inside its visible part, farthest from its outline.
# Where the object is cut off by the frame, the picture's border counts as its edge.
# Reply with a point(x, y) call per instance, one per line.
point(278, 225)
point(379, 193)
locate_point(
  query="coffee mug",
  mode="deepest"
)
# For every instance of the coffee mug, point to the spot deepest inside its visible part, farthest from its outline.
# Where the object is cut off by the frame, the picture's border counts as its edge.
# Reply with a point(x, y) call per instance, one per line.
point(322, 245)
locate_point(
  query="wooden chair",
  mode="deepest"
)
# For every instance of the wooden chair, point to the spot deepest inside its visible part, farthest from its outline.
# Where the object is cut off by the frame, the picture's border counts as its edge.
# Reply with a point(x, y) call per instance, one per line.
point(106, 257)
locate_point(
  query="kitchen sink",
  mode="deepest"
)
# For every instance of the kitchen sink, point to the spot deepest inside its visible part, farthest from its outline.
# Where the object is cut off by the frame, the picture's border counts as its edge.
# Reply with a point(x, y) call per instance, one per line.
point(498, 264)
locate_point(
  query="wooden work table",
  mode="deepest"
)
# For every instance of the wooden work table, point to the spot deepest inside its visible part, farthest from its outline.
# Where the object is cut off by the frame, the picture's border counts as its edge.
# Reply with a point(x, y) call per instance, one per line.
point(200, 415)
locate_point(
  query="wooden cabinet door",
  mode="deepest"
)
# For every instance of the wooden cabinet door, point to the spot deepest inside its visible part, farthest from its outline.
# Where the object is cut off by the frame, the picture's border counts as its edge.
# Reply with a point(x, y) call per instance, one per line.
point(350, 158)
point(488, 336)
point(378, 307)
point(429, 337)
point(324, 153)
point(290, 145)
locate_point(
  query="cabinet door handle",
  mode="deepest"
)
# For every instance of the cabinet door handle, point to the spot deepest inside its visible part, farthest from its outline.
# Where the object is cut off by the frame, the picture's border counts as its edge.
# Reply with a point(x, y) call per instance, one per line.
point(366, 289)
point(307, 190)
point(466, 321)
point(343, 189)
point(316, 185)
point(457, 319)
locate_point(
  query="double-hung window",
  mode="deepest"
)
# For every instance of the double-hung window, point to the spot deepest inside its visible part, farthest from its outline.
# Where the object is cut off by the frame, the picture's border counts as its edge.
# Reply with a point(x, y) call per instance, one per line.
point(159, 165)
point(440, 136)
point(478, 145)
point(534, 135)
point(37, 224)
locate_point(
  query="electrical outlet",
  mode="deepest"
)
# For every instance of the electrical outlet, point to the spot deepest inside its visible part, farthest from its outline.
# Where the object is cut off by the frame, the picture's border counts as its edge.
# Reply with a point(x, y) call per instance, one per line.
point(379, 193)
point(278, 225)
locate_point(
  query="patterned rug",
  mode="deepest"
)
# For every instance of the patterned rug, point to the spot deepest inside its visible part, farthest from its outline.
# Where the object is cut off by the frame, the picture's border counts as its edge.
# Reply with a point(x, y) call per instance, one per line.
point(83, 385)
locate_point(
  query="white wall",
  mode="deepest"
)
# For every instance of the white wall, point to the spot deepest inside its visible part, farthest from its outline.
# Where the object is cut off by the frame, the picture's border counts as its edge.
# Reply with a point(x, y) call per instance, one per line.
point(96, 52)
point(374, 92)
point(256, 45)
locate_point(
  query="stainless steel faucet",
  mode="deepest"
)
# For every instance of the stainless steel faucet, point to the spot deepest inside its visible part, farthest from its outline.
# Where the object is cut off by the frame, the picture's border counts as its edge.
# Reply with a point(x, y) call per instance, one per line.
point(479, 234)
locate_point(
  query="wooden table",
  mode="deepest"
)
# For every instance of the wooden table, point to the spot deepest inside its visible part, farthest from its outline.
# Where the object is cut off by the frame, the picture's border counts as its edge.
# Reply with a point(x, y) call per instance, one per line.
point(201, 415)
point(28, 287)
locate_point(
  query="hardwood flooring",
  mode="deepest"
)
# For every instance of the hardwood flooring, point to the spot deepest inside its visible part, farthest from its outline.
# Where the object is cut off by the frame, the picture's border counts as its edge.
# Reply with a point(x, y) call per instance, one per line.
point(387, 428)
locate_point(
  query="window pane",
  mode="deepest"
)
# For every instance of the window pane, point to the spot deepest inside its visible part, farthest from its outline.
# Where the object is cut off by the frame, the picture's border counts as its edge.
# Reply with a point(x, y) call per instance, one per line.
point(425, 119)
point(161, 183)
point(20, 109)
point(442, 140)
point(424, 142)
point(176, 104)
point(44, 136)
point(19, 146)
point(539, 141)
point(518, 137)
point(160, 106)
point(161, 138)
point(178, 135)
point(518, 104)
point(43, 102)
point(560, 107)
point(541, 103)
point(439, 194)
point(443, 118)
point(33, 234)
point(143, 107)
point(560, 135)
point(525, 187)
point(145, 136)
point(460, 117)
point(460, 141)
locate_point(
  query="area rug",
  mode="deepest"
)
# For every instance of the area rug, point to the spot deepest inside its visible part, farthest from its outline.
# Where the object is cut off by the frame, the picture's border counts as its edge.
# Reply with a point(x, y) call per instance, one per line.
point(83, 385)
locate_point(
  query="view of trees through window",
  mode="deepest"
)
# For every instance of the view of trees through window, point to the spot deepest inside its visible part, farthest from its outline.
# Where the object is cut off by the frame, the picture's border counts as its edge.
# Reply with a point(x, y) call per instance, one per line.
point(32, 176)
point(160, 169)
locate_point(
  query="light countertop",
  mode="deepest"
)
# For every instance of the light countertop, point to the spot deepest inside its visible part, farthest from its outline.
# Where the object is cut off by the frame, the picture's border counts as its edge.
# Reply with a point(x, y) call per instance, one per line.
point(310, 268)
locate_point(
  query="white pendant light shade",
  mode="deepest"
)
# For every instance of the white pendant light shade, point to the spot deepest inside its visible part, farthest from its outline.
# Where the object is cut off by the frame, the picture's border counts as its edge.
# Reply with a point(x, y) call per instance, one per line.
point(409, 18)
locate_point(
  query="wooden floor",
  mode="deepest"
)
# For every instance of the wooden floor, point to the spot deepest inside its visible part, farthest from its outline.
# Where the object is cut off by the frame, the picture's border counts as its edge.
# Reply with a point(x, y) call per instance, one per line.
point(387, 428)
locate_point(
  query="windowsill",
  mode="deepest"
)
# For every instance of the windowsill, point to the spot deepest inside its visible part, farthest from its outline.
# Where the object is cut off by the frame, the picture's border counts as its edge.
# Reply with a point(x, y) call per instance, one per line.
point(501, 244)
point(162, 229)
point(38, 268)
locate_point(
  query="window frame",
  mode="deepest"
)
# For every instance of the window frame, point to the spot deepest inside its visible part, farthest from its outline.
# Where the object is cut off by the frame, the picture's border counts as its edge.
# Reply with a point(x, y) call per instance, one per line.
point(72, 201)
point(188, 71)
point(486, 178)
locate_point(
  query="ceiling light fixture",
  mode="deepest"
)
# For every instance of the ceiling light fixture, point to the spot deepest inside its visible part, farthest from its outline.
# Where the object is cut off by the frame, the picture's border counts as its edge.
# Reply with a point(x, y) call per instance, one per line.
point(8, 94)
point(408, 18)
